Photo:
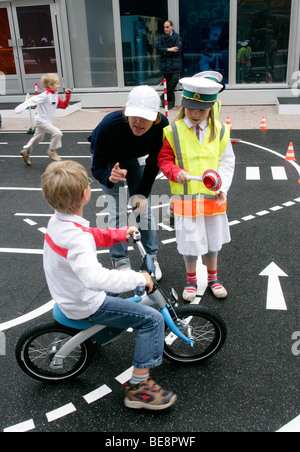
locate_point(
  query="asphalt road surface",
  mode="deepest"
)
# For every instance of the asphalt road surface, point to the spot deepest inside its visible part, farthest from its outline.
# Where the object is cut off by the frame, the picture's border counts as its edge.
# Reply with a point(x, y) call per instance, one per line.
point(252, 385)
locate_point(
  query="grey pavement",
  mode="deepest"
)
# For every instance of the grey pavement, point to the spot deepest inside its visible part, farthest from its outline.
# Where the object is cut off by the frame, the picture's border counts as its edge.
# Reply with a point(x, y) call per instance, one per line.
point(242, 118)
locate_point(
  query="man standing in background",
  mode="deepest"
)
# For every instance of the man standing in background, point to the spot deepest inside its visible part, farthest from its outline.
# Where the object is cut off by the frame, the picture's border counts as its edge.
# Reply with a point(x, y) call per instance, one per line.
point(169, 47)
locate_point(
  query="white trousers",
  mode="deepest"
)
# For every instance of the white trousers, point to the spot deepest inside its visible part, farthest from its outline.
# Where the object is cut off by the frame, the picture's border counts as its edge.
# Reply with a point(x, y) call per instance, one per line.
point(40, 132)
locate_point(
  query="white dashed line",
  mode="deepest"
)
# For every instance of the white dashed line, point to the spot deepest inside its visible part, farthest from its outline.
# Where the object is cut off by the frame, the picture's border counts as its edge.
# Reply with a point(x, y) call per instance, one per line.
point(61, 412)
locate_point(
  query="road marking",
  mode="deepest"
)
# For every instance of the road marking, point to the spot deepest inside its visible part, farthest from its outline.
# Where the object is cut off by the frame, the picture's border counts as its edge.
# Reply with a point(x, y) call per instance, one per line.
point(27, 317)
point(252, 173)
point(125, 376)
point(279, 173)
point(61, 412)
point(296, 166)
point(21, 428)
point(275, 297)
point(97, 394)
point(20, 251)
point(291, 427)
point(47, 157)
point(30, 222)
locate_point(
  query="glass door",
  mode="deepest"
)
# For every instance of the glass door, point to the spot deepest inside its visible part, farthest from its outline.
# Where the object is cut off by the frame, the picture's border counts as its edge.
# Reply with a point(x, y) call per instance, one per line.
point(28, 37)
point(9, 64)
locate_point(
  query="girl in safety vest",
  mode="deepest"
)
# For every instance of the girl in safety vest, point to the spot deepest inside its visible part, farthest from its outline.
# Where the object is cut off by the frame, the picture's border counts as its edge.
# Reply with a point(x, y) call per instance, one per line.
point(193, 144)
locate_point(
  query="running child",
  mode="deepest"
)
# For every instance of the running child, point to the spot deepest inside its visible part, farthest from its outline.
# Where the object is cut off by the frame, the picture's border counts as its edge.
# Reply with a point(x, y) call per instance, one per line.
point(47, 102)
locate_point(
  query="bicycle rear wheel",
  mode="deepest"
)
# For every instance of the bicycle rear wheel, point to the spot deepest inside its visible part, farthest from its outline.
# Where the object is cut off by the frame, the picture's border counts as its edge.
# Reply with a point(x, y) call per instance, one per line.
point(207, 328)
point(37, 347)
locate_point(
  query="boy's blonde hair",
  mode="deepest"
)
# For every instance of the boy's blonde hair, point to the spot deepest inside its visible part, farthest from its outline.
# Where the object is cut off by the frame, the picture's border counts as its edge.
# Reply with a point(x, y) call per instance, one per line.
point(63, 184)
point(49, 79)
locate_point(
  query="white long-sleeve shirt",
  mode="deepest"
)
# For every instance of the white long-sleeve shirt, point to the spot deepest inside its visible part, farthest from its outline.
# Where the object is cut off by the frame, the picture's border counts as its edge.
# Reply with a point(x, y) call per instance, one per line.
point(226, 161)
point(47, 103)
point(76, 280)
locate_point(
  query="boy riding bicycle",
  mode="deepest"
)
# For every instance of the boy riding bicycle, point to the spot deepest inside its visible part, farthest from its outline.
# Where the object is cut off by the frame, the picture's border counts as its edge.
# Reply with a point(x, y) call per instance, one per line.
point(78, 282)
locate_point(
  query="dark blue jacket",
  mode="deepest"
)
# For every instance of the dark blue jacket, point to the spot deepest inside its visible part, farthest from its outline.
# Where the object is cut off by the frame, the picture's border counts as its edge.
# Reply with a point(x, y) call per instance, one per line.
point(171, 62)
point(113, 141)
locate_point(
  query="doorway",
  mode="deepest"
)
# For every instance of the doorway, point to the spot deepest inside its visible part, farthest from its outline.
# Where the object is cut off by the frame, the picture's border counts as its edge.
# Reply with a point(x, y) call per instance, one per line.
point(28, 44)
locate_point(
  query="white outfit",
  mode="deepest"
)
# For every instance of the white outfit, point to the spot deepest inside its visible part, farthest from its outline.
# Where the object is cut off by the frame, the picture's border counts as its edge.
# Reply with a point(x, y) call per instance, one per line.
point(47, 103)
point(76, 280)
point(202, 234)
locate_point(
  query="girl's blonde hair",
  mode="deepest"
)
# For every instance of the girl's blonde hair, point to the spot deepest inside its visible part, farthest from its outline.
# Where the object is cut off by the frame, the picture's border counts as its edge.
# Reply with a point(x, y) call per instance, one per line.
point(49, 79)
point(181, 115)
point(63, 184)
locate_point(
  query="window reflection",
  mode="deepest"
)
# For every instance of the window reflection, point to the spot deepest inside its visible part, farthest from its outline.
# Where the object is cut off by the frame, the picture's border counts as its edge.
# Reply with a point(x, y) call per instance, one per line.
point(204, 27)
point(36, 31)
point(141, 23)
point(263, 41)
point(92, 41)
point(7, 60)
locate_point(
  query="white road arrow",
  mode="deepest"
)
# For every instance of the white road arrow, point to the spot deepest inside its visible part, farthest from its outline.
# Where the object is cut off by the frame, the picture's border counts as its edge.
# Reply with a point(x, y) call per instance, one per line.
point(275, 298)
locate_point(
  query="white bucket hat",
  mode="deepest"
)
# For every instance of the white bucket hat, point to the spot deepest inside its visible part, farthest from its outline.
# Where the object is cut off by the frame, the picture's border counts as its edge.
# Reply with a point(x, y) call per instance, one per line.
point(143, 102)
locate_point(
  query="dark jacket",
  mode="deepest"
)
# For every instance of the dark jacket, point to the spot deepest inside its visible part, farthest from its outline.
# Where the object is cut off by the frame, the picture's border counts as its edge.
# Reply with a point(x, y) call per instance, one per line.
point(171, 62)
point(113, 141)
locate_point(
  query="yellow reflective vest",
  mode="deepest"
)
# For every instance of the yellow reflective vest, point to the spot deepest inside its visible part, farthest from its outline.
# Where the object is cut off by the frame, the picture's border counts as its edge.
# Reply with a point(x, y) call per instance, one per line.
point(193, 199)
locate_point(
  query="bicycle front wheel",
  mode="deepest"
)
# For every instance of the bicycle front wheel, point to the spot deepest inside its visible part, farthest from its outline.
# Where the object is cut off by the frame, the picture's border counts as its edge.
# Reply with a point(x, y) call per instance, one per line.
point(207, 328)
point(37, 347)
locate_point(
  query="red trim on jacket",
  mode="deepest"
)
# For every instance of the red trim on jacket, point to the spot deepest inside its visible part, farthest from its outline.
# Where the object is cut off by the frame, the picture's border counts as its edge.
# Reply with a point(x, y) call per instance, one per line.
point(63, 252)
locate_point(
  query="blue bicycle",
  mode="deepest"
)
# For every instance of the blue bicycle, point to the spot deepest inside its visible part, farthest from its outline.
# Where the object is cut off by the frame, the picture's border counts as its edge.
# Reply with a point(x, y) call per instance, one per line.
point(60, 350)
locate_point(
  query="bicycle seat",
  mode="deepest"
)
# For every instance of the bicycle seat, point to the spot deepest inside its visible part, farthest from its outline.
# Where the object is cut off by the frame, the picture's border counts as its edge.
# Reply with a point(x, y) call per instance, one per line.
point(60, 317)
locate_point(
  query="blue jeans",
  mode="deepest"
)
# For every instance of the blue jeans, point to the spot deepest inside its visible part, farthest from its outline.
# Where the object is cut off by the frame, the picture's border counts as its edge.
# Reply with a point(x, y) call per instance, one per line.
point(123, 314)
point(116, 198)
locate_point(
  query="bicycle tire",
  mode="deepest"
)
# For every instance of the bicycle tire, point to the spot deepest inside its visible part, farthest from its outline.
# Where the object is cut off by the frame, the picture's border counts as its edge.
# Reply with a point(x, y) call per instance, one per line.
point(37, 347)
point(209, 332)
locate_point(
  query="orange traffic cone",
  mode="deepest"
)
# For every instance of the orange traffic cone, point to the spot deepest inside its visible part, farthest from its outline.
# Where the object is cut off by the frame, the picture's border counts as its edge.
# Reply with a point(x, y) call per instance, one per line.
point(263, 124)
point(228, 122)
point(290, 153)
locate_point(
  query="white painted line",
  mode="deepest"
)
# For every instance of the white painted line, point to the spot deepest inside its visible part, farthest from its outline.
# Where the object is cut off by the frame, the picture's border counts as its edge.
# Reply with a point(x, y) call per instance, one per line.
point(167, 228)
point(30, 222)
point(262, 213)
point(27, 317)
point(234, 223)
point(47, 157)
point(4, 143)
point(275, 208)
point(21, 251)
point(252, 173)
point(21, 428)
point(20, 189)
point(61, 412)
point(248, 218)
point(43, 230)
point(33, 215)
point(125, 376)
point(291, 427)
point(97, 394)
point(201, 278)
point(166, 242)
point(289, 204)
point(279, 173)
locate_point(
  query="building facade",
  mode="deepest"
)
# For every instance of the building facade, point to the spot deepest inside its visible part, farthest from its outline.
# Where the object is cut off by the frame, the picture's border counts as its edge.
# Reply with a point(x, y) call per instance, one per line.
point(102, 48)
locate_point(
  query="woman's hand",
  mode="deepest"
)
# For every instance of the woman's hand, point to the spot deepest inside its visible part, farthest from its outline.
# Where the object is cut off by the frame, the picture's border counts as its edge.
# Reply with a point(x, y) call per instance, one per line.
point(117, 174)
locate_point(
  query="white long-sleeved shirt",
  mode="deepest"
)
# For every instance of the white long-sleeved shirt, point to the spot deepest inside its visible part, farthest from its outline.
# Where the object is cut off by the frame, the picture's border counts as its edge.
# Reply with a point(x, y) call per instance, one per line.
point(47, 103)
point(226, 161)
point(76, 280)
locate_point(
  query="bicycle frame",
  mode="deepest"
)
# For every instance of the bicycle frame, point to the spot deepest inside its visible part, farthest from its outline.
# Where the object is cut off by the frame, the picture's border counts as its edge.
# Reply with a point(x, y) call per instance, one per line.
point(105, 335)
